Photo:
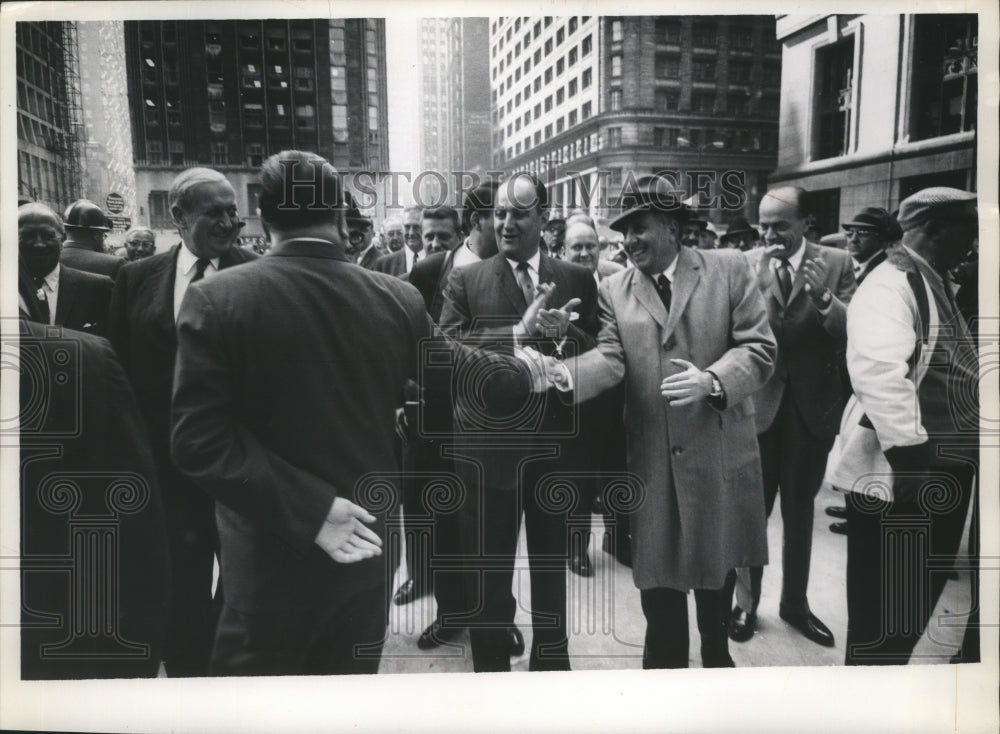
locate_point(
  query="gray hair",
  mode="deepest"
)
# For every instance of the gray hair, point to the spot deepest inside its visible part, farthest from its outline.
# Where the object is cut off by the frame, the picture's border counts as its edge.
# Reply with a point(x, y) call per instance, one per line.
point(186, 181)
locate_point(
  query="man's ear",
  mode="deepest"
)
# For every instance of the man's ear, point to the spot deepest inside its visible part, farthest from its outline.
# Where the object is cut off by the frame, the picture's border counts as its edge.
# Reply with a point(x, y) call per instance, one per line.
point(177, 215)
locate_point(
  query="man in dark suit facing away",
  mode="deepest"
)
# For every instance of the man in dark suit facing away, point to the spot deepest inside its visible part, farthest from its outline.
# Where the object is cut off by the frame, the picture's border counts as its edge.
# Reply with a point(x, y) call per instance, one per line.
point(486, 303)
point(67, 297)
point(89, 503)
point(86, 228)
point(304, 471)
point(144, 306)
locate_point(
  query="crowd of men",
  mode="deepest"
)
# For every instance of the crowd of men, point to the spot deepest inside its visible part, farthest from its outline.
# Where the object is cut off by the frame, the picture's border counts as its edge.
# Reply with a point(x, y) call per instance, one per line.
point(490, 367)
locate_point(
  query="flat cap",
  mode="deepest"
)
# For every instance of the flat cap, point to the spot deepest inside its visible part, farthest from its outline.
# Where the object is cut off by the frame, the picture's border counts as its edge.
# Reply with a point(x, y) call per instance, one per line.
point(930, 203)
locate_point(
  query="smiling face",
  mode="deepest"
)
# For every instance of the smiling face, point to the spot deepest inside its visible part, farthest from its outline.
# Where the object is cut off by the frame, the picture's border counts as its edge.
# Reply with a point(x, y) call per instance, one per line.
point(651, 241)
point(39, 239)
point(210, 224)
point(863, 242)
point(413, 230)
point(518, 219)
point(781, 222)
point(392, 231)
point(439, 235)
point(140, 244)
point(582, 246)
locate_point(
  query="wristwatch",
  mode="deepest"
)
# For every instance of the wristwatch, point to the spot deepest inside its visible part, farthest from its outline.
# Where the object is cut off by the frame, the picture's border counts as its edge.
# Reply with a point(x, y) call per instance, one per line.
point(716, 387)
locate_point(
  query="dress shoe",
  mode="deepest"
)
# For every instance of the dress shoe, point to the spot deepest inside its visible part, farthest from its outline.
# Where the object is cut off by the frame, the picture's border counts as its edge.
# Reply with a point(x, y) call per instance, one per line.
point(516, 641)
point(580, 565)
point(840, 528)
point(436, 635)
point(407, 592)
point(810, 626)
point(836, 511)
point(742, 625)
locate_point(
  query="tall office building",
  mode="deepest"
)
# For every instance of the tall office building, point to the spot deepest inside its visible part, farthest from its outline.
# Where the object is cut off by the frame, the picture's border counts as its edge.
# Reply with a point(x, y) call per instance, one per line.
point(591, 103)
point(228, 94)
point(876, 107)
point(50, 133)
point(107, 152)
point(454, 102)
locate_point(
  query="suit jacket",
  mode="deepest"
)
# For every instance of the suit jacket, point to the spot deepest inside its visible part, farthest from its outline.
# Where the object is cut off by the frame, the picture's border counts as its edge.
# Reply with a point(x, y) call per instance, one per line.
point(392, 264)
point(811, 345)
point(289, 371)
point(83, 258)
point(371, 256)
point(84, 299)
point(143, 334)
point(482, 303)
point(702, 510)
point(87, 475)
point(607, 267)
point(430, 276)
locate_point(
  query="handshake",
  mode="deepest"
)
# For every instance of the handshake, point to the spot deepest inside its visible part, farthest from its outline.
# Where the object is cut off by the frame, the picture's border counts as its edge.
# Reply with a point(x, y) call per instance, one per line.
point(546, 372)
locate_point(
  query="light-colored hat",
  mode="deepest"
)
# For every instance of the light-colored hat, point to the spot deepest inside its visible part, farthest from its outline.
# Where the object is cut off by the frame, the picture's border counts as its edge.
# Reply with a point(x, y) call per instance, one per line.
point(930, 203)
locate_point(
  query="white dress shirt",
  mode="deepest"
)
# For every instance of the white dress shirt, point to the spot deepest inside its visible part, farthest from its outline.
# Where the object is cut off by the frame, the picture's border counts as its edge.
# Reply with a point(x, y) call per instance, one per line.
point(533, 263)
point(50, 287)
point(412, 257)
point(794, 262)
point(186, 263)
point(464, 256)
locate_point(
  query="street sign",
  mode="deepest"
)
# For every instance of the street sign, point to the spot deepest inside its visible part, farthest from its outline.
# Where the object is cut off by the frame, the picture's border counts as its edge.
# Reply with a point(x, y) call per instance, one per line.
point(115, 203)
point(120, 224)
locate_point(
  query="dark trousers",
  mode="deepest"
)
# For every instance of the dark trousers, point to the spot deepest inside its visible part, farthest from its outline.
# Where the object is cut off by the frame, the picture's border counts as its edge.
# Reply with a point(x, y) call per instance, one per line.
point(432, 527)
point(193, 613)
point(490, 524)
point(794, 461)
point(667, 641)
point(899, 555)
point(342, 638)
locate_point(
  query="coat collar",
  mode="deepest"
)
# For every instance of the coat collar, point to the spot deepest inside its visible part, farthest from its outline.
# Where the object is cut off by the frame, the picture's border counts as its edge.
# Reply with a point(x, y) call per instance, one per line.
point(686, 277)
point(307, 247)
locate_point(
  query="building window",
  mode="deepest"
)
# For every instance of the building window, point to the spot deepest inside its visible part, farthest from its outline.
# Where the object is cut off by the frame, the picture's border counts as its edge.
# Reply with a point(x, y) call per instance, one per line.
point(705, 35)
point(738, 104)
point(703, 71)
point(548, 103)
point(615, 100)
point(560, 125)
point(772, 74)
point(548, 47)
point(154, 150)
point(159, 214)
point(253, 114)
point(220, 154)
point(279, 115)
point(339, 123)
point(572, 118)
point(572, 87)
point(585, 111)
point(548, 75)
point(739, 73)
point(560, 66)
point(586, 45)
point(176, 148)
point(538, 110)
point(614, 137)
point(616, 66)
point(572, 56)
point(548, 131)
point(665, 137)
point(560, 36)
point(616, 31)
point(572, 25)
point(741, 38)
point(668, 31)
point(560, 95)
point(585, 78)
point(834, 85)
point(665, 101)
point(255, 154)
point(945, 74)
point(702, 102)
point(304, 78)
point(668, 67)
point(537, 84)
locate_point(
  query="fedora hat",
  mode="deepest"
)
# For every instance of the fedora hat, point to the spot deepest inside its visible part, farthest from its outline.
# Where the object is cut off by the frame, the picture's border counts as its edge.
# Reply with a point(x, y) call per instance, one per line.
point(650, 193)
point(738, 228)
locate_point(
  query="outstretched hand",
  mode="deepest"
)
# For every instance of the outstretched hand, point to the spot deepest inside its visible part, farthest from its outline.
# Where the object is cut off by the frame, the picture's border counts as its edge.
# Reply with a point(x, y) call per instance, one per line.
point(344, 536)
point(529, 322)
point(686, 387)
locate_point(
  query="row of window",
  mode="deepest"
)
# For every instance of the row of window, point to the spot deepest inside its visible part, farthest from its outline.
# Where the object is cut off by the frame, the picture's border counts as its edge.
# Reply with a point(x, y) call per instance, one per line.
point(572, 24)
point(564, 122)
point(564, 62)
point(561, 95)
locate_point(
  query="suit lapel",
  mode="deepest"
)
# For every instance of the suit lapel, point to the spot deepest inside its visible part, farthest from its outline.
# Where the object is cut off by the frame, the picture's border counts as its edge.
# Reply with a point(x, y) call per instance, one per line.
point(810, 252)
point(163, 298)
point(68, 292)
point(686, 277)
point(645, 293)
point(507, 285)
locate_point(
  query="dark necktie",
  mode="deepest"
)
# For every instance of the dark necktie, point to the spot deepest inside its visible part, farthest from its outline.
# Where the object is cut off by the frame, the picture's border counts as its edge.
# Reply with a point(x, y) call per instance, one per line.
point(43, 301)
point(784, 279)
point(524, 281)
point(663, 289)
point(199, 269)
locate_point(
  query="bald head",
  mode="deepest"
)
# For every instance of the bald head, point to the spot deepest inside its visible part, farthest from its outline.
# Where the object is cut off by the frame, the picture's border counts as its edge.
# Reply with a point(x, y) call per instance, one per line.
point(582, 245)
point(40, 235)
point(782, 220)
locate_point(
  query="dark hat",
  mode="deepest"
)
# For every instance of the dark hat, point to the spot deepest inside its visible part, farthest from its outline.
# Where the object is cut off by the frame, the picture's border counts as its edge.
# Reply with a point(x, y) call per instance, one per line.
point(871, 216)
point(555, 218)
point(83, 214)
point(651, 193)
point(354, 215)
point(930, 203)
point(738, 228)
